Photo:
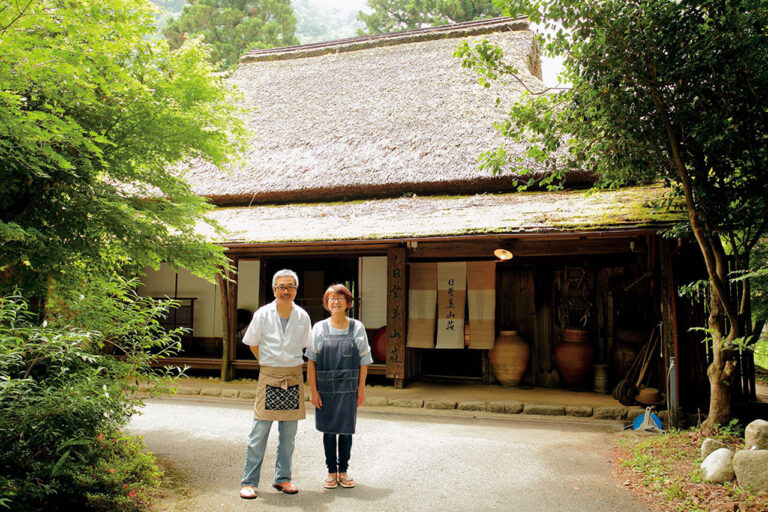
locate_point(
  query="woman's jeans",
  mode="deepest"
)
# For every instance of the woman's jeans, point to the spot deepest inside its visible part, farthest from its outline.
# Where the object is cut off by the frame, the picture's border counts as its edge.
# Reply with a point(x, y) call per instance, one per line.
point(341, 463)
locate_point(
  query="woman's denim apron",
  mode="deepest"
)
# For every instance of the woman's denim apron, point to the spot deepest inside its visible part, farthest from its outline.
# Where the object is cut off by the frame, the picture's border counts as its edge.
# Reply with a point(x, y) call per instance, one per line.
point(338, 375)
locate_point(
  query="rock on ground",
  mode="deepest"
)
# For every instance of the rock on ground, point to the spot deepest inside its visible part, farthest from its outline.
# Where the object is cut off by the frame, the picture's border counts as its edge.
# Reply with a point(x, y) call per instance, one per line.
point(710, 445)
point(756, 434)
point(718, 466)
point(751, 468)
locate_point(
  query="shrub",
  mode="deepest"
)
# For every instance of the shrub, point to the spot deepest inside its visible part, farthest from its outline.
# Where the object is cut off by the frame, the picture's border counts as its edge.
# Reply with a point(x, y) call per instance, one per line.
point(61, 396)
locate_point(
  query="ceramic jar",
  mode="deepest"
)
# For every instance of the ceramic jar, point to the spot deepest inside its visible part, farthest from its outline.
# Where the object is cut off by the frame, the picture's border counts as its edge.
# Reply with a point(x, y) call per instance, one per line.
point(575, 357)
point(624, 351)
point(509, 358)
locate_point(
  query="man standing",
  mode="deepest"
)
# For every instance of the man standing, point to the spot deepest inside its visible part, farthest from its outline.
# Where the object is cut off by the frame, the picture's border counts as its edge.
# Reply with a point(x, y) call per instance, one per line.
point(277, 334)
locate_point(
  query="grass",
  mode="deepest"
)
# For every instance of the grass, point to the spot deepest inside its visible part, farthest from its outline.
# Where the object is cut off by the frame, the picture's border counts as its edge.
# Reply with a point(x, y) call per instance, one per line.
point(665, 470)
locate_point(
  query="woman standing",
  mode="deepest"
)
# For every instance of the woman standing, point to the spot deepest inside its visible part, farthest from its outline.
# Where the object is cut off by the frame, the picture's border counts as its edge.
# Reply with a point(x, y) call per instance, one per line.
point(336, 371)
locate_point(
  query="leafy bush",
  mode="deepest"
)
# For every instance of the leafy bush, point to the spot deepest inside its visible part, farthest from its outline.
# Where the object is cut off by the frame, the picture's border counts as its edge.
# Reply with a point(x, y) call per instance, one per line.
point(62, 395)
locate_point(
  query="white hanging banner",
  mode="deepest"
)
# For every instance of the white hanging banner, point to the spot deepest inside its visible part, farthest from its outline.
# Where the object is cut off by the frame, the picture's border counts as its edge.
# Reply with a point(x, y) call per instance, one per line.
point(451, 297)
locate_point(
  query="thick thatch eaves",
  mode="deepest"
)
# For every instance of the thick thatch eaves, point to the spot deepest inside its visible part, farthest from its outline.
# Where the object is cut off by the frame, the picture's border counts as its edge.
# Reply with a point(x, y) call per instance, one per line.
point(371, 117)
point(418, 217)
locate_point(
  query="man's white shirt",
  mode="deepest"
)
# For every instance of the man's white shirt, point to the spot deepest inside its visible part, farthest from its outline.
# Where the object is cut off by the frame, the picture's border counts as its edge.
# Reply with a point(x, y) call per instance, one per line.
point(278, 348)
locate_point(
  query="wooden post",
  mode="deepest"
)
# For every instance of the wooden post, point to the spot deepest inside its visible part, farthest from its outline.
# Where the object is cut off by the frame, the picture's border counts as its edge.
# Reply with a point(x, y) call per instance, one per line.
point(228, 294)
point(232, 310)
point(396, 315)
point(668, 332)
point(225, 354)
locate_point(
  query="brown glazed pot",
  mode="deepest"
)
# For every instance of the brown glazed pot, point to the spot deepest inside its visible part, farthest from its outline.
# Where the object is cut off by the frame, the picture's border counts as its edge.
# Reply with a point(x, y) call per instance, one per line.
point(575, 357)
point(509, 358)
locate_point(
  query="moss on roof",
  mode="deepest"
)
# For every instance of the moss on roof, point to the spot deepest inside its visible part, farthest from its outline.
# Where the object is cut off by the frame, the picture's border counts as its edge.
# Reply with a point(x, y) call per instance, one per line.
point(418, 216)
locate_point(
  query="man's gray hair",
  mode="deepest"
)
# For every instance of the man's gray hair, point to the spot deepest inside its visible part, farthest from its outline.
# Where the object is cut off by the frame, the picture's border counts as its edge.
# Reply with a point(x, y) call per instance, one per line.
point(285, 273)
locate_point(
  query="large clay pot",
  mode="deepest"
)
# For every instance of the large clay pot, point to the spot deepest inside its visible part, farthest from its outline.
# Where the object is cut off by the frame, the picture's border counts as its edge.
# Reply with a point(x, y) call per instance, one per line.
point(509, 358)
point(575, 357)
point(624, 351)
point(379, 345)
point(622, 357)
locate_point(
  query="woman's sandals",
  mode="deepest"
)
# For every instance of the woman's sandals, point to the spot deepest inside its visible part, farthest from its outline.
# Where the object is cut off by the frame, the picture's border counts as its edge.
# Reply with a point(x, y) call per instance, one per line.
point(331, 483)
point(346, 482)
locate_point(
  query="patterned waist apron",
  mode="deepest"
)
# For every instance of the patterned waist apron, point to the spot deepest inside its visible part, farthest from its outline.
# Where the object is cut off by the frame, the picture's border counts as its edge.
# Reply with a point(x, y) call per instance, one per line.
point(338, 375)
point(280, 394)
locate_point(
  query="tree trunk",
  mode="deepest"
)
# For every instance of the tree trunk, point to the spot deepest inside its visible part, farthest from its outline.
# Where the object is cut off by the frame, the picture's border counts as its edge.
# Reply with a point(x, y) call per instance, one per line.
point(720, 371)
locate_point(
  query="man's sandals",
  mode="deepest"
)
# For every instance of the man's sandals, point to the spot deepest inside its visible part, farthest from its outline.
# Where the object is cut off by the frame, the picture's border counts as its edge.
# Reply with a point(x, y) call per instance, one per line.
point(248, 492)
point(286, 487)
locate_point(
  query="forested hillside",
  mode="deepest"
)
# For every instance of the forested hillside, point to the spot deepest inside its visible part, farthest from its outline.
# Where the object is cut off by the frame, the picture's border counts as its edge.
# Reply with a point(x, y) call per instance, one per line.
point(315, 20)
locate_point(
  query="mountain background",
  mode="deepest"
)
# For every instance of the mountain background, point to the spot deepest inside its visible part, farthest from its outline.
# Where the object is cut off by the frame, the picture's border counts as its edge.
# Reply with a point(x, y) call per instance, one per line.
point(316, 20)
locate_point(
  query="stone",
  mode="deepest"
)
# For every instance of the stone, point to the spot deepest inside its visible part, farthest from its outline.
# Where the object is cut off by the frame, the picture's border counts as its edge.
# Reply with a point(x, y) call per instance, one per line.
point(718, 466)
point(210, 392)
point(581, 411)
point(710, 445)
point(376, 401)
point(407, 402)
point(439, 404)
point(505, 406)
point(250, 395)
point(545, 410)
point(228, 393)
point(751, 467)
point(609, 413)
point(634, 412)
point(756, 434)
point(472, 405)
point(187, 391)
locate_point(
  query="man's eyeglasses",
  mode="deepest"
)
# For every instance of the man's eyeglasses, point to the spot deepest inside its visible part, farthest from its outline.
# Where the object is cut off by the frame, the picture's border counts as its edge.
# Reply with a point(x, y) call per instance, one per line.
point(286, 288)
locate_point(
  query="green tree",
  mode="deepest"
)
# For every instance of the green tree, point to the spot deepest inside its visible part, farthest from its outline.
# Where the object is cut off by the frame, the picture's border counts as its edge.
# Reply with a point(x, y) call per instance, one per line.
point(233, 27)
point(396, 15)
point(92, 116)
point(675, 90)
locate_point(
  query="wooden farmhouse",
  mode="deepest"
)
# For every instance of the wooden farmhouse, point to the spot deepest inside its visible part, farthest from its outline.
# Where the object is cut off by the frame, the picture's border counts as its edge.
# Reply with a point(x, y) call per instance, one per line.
point(363, 170)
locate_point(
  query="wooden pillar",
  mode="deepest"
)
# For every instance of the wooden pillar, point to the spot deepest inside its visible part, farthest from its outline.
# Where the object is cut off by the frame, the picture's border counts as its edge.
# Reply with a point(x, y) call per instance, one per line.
point(396, 315)
point(669, 323)
point(228, 294)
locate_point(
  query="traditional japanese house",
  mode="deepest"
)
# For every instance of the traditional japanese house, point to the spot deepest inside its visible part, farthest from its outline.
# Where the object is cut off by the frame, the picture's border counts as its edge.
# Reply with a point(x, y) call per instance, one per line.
point(364, 170)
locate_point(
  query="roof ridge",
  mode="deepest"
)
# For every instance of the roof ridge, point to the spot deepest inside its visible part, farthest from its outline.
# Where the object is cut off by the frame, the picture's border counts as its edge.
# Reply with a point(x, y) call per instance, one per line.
point(453, 30)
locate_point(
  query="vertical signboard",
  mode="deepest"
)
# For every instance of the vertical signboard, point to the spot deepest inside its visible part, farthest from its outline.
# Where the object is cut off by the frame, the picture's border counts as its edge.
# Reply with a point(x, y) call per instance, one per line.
point(396, 314)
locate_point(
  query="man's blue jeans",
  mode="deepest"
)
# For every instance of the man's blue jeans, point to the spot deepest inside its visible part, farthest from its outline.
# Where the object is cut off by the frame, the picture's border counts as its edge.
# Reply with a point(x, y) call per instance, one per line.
point(257, 445)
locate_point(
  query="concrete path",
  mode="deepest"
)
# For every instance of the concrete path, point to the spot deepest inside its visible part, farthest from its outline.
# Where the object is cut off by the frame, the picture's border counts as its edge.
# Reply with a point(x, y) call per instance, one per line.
point(422, 462)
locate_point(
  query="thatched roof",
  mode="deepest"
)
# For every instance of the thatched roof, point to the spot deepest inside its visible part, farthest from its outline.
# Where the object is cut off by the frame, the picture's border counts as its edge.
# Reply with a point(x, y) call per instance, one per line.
point(417, 217)
point(371, 117)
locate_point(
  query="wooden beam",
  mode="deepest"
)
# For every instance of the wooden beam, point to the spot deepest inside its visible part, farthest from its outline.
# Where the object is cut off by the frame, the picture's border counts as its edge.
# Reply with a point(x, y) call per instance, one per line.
point(396, 314)
point(526, 248)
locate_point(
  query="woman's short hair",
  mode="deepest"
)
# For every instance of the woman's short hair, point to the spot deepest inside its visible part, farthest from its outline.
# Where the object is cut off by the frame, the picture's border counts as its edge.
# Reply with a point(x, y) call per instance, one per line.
point(338, 289)
point(285, 273)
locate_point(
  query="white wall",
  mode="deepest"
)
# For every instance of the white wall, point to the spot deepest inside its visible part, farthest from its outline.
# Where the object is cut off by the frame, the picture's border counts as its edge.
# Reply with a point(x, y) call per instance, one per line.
point(373, 291)
point(161, 282)
point(248, 283)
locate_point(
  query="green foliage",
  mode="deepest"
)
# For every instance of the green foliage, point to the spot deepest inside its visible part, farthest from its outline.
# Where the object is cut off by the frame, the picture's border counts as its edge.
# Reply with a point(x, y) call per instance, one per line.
point(396, 15)
point(233, 27)
point(62, 395)
point(92, 116)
